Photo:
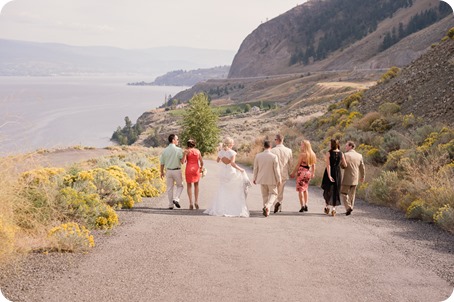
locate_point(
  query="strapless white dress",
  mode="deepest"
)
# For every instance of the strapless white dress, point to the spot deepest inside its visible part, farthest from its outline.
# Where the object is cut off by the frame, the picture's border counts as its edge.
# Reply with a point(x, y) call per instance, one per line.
point(230, 200)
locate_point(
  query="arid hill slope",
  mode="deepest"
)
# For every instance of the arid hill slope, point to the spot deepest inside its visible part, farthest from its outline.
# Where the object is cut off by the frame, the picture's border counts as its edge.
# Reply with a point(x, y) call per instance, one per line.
point(424, 88)
point(268, 49)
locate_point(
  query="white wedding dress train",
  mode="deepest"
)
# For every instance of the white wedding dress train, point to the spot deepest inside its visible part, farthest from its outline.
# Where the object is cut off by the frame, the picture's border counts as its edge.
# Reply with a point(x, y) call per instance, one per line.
point(230, 200)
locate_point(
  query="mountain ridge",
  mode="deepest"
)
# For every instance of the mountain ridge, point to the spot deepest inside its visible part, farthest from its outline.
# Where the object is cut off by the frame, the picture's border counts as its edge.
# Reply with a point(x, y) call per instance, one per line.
point(21, 58)
point(268, 49)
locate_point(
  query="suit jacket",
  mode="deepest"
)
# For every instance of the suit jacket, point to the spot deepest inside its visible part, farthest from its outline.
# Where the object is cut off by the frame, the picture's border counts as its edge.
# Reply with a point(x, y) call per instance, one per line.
point(354, 170)
point(266, 168)
point(285, 159)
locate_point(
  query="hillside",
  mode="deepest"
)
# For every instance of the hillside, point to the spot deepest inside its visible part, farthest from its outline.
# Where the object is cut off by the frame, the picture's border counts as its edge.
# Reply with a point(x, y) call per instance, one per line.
point(352, 36)
point(425, 88)
point(191, 77)
point(21, 58)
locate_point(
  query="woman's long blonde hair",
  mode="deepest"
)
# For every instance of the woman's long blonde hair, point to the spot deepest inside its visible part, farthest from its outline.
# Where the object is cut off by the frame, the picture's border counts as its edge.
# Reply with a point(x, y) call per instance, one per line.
point(311, 158)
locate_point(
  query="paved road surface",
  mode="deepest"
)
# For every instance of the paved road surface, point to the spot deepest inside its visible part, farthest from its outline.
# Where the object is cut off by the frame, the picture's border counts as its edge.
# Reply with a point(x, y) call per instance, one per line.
point(183, 255)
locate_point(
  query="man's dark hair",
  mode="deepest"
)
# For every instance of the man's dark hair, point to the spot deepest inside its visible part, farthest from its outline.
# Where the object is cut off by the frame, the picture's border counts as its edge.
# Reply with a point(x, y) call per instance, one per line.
point(171, 137)
point(266, 144)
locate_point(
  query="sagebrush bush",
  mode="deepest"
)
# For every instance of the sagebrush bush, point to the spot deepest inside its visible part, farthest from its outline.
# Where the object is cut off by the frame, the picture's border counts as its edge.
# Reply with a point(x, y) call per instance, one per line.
point(391, 73)
point(385, 189)
point(365, 122)
point(87, 209)
point(39, 188)
point(389, 108)
point(445, 218)
point(70, 237)
point(451, 33)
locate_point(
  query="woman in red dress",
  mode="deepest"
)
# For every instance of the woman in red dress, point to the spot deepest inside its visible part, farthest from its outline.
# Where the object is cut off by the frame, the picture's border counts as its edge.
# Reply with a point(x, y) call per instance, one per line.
point(194, 166)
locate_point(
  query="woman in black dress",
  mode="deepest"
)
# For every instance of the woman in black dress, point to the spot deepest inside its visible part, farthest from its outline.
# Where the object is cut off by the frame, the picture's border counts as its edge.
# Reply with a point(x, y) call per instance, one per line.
point(331, 182)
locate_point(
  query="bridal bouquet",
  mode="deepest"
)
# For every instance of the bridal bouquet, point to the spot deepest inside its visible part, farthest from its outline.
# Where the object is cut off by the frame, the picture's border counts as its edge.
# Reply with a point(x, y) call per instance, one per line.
point(204, 172)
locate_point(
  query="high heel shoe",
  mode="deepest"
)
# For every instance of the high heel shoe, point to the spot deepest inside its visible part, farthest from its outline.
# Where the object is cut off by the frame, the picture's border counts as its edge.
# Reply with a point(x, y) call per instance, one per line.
point(197, 206)
point(305, 208)
point(326, 210)
point(277, 207)
point(333, 212)
point(191, 207)
point(302, 209)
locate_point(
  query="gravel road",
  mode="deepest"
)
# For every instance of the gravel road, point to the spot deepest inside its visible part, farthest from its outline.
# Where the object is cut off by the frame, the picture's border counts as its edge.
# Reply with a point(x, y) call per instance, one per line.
point(182, 255)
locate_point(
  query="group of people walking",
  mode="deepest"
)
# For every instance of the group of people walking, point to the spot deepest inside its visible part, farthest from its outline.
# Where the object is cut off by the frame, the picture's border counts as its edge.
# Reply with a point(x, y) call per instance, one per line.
point(272, 169)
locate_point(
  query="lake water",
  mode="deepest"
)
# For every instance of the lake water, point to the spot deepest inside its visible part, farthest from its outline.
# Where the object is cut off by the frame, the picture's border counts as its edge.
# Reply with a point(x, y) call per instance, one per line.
point(57, 112)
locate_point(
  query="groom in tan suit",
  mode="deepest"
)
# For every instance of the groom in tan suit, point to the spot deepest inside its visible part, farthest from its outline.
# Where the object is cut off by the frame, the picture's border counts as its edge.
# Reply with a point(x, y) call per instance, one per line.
point(353, 172)
point(268, 174)
point(285, 158)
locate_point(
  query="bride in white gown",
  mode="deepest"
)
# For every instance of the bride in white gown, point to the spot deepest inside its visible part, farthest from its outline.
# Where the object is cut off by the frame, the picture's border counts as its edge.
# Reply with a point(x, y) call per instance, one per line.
point(230, 200)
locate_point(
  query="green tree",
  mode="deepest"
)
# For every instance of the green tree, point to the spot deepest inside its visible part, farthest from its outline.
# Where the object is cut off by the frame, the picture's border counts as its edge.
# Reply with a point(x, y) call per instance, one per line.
point(200, 123)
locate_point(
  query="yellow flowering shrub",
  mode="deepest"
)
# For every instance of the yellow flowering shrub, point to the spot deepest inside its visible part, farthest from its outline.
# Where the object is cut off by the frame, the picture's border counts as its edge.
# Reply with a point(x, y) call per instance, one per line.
point(88, 208)
point(416, 209)
point(132, 193)
point(445, 218)
point(39, 188)
point(41, 176)
point(70, 237)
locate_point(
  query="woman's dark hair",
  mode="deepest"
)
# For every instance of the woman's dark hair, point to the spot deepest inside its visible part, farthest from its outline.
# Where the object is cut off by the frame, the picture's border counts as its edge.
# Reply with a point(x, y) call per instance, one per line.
point(334, 144)
point(191, 143)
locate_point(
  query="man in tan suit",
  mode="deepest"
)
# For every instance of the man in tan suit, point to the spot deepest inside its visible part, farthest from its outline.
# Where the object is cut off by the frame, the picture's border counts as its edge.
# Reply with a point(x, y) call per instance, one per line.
point(353, 172)
point(285, 158)
point(268, 174)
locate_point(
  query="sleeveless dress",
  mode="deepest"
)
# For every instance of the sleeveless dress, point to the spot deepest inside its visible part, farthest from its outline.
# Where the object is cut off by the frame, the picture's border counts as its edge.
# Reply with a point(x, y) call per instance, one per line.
point(303, 177)
point(331, 190)
point(230, 200)
point(192, 172)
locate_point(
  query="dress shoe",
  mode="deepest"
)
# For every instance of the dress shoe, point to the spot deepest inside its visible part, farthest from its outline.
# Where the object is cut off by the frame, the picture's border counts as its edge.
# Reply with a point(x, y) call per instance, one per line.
point(177, 204)
point(277, 207)
point(349, 211)
point(170, 208)
point(302, 209)
point(305, 208)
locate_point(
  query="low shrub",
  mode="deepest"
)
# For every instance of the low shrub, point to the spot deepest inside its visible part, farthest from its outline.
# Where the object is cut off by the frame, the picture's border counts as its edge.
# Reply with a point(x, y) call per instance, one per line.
point(70, 237)
point(391, 73)
point(445, 218)
point(365, 122)
point(385, 189)
point(389, 108)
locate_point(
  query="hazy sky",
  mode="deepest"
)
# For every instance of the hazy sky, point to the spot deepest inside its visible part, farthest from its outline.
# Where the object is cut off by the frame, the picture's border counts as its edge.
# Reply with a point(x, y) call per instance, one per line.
point(208, 24)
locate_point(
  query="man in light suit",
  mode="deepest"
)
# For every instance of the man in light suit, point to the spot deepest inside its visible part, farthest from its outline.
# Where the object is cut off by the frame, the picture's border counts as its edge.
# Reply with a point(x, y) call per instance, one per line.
point(354, 172)
point(268, 174)
point(285, 158)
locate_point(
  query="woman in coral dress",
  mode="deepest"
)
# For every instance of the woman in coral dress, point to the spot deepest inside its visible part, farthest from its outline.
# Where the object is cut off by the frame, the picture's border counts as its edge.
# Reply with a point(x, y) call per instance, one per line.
point(304, 171)
point(194, 165)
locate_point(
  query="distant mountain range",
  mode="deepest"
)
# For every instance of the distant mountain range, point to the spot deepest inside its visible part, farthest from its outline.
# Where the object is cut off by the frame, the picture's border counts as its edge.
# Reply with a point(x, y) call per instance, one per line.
point(21, 58)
